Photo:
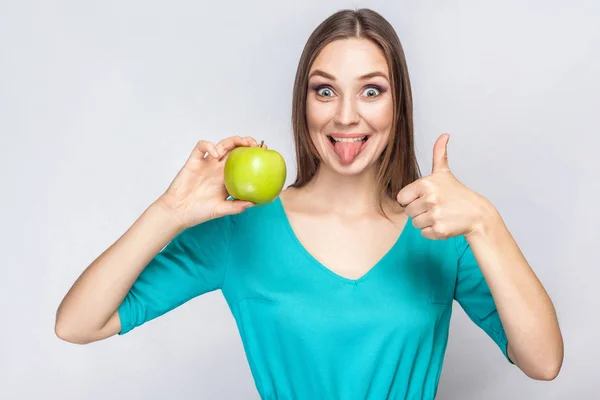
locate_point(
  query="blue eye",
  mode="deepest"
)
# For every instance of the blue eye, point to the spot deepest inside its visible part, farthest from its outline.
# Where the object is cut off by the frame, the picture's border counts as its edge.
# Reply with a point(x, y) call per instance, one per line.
point(324, 91)
point(372, 91)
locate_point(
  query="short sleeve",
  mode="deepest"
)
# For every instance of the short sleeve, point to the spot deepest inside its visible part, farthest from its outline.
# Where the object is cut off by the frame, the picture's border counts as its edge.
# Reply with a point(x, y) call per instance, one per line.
point(474, 296)
point(193, 263)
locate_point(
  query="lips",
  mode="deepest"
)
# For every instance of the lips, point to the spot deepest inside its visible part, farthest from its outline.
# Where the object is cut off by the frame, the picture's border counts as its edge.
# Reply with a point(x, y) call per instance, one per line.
point(348, 138)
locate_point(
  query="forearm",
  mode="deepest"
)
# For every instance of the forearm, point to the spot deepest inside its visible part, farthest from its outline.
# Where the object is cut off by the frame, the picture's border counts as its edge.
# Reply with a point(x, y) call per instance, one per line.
point(97, 293)
point(524, 307)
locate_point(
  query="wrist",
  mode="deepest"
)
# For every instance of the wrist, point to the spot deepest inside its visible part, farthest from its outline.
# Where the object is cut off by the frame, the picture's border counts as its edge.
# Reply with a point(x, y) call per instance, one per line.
point(487, 219)
point(170, 215)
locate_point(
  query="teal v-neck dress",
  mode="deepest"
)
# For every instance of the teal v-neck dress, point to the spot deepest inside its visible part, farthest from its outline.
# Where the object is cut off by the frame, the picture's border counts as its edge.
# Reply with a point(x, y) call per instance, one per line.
point(309, 333)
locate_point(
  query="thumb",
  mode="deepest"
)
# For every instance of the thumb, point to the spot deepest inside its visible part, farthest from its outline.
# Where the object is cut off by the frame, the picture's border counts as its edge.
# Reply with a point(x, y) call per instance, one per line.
point(229, 207)
point(440, 154)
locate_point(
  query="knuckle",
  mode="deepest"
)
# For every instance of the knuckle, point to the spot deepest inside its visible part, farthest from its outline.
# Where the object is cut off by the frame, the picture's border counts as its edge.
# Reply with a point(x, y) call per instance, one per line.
point(435, 213)
point(440, 231)
point(204, 145)
point(432, 200)
point(427, 183)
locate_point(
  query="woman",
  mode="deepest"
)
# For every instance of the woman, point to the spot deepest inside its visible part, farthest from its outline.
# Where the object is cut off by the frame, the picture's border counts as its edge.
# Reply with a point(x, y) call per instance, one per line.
point(343, 286)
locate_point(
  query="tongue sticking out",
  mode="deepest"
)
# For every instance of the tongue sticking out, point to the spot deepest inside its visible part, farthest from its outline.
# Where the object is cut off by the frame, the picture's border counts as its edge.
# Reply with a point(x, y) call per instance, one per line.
point(347, 151)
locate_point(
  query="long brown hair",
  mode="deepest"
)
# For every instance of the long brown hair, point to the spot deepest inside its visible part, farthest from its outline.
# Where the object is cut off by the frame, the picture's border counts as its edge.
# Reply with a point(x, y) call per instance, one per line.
point(398, 164)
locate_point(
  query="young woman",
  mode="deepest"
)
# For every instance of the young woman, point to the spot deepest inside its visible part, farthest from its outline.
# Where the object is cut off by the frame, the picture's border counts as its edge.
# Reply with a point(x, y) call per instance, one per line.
point(343, 286)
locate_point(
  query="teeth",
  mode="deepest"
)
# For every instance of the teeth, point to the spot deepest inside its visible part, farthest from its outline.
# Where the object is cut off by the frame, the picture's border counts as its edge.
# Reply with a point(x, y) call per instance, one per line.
point(355, 139)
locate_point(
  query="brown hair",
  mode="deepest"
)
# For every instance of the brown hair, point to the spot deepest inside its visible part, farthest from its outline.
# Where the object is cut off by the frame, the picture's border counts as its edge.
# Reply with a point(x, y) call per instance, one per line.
point(398, 163)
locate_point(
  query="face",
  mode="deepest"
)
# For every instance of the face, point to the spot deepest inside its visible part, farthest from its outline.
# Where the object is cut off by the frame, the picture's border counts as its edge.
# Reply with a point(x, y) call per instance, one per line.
point(349, 106)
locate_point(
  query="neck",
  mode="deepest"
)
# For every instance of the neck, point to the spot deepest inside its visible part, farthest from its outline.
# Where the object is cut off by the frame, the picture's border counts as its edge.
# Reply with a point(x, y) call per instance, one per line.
point(352, 194)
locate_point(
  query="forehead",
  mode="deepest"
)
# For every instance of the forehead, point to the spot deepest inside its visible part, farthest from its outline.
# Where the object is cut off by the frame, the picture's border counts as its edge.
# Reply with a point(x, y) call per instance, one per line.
point(351, 58)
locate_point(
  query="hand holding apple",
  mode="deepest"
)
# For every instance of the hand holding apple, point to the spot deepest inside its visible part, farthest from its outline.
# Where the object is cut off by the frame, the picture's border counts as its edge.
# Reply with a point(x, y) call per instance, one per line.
point(440, 205)
point(198, 194)
point(255, 174)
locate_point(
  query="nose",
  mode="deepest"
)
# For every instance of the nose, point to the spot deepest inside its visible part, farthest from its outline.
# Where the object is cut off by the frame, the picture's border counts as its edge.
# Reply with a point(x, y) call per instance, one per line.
point(347, 112)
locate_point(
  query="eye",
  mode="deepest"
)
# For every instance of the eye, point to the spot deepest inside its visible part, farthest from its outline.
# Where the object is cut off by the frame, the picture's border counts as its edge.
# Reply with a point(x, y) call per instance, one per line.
point(324, 91)
point(372, 91)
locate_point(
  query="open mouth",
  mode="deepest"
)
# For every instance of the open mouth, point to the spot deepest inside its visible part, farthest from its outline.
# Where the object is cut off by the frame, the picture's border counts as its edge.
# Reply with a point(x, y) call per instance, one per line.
point(348, 147)
point(342, 139)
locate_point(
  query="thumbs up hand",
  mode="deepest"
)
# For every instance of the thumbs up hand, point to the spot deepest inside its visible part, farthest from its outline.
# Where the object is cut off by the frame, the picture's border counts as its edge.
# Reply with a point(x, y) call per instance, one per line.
point(440, 205)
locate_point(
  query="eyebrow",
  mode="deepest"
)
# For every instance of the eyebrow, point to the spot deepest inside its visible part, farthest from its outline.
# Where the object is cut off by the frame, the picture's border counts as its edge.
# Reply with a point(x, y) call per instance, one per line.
point(324, 74)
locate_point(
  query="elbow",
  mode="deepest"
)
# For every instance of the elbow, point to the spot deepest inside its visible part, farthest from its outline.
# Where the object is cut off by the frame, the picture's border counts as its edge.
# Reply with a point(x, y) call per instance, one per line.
point(543, 363)
point(70, 333)
point(548, 373)
point(553, 366)
point(552, 369)
point(547, 370)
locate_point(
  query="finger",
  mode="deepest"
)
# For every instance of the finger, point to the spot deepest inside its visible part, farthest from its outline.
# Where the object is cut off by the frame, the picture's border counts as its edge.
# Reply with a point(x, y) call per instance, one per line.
point(440, 154)
point(229, 207)
point(251, 140)
point(423, 221)
point(436, 232)
point(226, 145)
point(410, 193)
point(429, 233)
point(416, 208)
point(203, 147)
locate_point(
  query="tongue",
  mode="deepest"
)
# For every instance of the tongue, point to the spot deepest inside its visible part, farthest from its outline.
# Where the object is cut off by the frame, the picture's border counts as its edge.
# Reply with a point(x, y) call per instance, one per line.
point(347, 151)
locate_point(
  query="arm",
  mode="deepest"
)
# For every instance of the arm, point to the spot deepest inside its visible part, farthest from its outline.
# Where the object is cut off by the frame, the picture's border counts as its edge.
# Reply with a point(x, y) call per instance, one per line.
point(89, 310)
point(535, 342)
point(134, 281)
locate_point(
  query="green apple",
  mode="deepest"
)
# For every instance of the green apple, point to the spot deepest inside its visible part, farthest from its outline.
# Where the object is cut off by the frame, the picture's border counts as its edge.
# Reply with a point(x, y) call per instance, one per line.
point(255, 174)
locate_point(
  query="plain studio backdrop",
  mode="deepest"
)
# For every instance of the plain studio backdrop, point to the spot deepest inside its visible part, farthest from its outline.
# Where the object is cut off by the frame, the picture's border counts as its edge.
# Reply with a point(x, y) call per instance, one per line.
point(102, 102)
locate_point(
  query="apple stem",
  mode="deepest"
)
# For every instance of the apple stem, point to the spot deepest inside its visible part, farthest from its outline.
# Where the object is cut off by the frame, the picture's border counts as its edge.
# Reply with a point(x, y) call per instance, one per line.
point(261, 143)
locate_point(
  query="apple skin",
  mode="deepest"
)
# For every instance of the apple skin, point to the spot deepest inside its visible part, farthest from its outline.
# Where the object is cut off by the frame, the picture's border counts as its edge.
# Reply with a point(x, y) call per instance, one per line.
point(255, 174)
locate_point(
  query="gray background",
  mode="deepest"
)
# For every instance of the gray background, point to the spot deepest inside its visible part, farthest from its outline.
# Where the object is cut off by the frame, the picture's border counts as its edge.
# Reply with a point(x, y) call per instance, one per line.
point(101, 103)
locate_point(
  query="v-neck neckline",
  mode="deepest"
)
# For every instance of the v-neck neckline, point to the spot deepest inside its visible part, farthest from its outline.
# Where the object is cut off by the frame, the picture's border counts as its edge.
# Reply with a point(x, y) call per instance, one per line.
point(314, 260)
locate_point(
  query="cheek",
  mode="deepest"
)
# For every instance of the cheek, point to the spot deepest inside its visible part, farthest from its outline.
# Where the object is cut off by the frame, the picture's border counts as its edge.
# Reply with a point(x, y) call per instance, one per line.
point(317, 115)
point(316, 120)
point(379, 115)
